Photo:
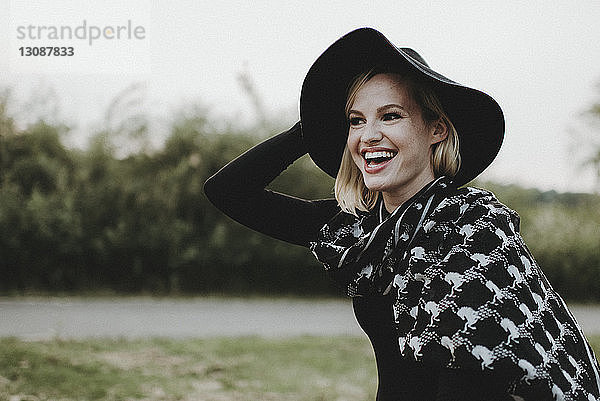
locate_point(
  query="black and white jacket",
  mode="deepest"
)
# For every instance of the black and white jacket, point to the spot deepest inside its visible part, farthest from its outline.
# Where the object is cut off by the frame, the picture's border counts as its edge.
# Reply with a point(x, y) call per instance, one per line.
point(467, 291)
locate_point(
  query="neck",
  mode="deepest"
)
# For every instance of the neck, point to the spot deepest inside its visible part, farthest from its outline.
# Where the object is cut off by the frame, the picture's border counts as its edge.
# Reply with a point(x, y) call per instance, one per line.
point(392, 200)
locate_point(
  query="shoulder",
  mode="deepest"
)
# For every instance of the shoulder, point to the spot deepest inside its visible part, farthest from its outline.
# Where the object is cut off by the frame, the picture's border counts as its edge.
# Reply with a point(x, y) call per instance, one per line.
point(474, 206)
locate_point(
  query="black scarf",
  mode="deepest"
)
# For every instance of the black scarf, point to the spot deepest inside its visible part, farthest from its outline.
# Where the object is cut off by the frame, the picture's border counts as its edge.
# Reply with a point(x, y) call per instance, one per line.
point(468, 294)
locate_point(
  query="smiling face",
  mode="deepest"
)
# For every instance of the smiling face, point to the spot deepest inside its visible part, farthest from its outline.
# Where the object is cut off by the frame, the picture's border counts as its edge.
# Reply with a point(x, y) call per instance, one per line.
point(389, 141)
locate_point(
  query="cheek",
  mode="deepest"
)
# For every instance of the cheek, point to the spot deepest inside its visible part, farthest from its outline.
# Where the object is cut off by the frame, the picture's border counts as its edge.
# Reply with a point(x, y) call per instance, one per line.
point(350, 140)
point(418, 143)
point(352, 144)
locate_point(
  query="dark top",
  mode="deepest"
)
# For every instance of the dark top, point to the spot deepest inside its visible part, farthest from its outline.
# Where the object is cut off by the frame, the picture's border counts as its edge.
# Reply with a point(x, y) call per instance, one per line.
point(238, 190)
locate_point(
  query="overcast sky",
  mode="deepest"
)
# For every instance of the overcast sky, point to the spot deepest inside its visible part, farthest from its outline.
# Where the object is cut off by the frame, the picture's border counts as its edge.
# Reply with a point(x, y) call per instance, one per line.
point(539, 59)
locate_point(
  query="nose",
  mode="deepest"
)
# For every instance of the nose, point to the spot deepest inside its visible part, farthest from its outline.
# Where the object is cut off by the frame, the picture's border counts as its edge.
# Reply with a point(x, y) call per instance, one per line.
point(371, 133)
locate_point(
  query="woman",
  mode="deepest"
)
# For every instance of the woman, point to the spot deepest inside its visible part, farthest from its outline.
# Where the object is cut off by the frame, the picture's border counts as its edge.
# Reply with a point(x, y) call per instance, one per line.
point(440, 279)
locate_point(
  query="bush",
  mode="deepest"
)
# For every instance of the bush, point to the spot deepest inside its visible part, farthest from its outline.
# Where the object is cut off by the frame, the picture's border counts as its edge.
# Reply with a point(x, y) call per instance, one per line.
point(97, 219)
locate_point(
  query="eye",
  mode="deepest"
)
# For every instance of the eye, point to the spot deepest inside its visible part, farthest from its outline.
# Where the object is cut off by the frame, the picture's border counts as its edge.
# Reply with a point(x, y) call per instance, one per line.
point(354, 121)
point(391, 116)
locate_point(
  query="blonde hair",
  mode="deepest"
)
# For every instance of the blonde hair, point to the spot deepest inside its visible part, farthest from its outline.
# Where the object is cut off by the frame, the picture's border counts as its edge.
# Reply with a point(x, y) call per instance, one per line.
point(350, 189)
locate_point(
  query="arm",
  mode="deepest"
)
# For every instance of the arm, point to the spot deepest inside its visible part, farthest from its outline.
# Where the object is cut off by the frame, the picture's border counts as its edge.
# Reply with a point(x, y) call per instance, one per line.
point(238, 190)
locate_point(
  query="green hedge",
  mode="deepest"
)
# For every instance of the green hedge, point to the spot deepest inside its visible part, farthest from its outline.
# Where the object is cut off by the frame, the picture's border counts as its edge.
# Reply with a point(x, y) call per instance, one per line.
point(91, 220)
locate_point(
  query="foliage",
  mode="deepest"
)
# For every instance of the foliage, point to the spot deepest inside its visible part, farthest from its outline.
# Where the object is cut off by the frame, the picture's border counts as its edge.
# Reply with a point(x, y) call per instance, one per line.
point(592, 147)
point(101, 219)
point(562, 231)
point(122, 217)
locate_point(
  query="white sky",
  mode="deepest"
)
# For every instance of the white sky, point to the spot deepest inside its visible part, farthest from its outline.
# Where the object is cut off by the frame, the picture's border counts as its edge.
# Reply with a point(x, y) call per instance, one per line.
point(539, 59)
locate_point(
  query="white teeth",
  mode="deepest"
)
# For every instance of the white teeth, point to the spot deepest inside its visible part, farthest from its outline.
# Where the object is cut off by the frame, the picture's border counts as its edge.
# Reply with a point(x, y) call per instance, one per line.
point(375, 155)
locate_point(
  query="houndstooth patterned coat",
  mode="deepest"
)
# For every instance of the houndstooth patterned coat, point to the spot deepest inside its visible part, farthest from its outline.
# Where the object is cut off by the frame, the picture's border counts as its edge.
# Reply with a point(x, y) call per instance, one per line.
point(468, 293)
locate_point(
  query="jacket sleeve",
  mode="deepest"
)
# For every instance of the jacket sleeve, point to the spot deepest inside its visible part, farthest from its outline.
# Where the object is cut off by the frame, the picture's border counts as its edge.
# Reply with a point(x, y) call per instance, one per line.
point(239, 191)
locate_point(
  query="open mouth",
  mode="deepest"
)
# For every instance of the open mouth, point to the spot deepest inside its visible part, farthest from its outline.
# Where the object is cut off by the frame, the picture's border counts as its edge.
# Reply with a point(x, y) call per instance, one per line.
point(373, 158)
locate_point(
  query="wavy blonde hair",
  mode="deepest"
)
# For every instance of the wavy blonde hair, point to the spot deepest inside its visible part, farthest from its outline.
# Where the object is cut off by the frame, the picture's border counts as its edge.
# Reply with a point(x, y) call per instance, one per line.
point(350, 189)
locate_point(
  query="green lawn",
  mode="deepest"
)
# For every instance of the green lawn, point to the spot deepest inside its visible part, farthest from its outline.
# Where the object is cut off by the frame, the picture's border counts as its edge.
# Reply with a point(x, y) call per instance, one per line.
point(248, 368)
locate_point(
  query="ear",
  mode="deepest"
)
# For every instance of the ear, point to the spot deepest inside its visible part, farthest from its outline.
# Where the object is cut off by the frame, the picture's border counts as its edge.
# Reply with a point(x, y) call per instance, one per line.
point(440, 131)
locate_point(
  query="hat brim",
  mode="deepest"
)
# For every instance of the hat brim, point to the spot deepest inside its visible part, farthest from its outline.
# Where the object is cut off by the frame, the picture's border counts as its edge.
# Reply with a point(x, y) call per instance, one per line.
point(476, 116)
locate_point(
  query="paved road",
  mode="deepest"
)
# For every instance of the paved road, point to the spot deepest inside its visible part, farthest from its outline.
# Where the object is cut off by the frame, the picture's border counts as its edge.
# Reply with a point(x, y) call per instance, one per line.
point(178, 318)
point(198, 317)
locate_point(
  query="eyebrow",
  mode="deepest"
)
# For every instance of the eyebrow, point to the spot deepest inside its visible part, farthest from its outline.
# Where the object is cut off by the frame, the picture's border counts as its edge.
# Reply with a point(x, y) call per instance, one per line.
point(380, 109)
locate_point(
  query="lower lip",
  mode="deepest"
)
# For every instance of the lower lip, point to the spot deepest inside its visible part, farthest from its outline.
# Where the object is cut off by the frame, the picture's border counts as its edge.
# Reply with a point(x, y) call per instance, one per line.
point(376, 168)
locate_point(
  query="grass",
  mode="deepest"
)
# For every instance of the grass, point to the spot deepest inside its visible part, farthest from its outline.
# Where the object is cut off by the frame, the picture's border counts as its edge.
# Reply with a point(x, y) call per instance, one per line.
point(217, 369)
point(248, 368)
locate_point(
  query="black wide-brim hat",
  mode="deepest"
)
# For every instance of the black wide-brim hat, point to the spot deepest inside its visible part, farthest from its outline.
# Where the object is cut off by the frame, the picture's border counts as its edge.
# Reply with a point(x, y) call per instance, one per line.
point(477, 117)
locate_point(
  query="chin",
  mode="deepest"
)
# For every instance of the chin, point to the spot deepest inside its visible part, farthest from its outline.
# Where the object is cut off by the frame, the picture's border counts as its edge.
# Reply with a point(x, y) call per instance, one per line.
point(375, 185)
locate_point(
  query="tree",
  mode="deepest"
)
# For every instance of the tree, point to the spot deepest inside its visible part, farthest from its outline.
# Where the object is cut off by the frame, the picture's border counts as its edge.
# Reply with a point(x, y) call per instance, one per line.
point(592, 116)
